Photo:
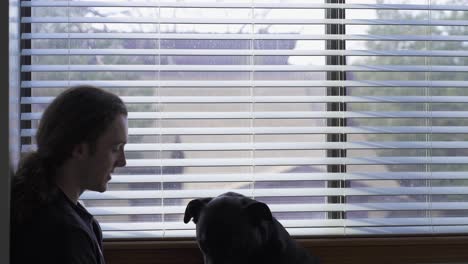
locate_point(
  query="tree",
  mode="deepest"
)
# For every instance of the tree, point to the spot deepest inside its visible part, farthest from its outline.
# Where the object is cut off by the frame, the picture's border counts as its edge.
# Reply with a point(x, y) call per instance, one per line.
point(381, 45)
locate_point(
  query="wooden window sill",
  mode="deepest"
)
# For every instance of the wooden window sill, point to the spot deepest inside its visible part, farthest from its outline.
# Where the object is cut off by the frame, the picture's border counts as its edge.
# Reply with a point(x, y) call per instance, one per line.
point(331, 250)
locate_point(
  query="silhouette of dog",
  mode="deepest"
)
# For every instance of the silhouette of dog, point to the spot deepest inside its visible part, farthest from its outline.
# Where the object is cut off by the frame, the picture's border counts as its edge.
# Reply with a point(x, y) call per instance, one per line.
point(234, 229)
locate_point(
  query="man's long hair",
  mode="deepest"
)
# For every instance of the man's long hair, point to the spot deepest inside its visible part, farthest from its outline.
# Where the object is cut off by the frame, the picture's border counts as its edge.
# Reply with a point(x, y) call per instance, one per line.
point(79, 115)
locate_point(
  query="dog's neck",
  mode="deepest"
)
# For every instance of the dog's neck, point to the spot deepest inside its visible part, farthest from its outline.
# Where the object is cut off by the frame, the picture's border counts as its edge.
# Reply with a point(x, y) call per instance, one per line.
point(272, 248)
point(280, 251)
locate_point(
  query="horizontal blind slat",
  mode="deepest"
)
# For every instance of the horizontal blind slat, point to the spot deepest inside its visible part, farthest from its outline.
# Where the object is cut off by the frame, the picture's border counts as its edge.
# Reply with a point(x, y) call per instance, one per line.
point(281, 115)
point(289, 130)
point(236, 36)
point(307, 232)
point(272, 177)
point(266, 21)
point(165, 4)
point(271, 84)
point(248, 52)
point(278, 208)
point(240, 68)
point(286, 146)
point(271, 99)
point(366, 222)
point(279, 192)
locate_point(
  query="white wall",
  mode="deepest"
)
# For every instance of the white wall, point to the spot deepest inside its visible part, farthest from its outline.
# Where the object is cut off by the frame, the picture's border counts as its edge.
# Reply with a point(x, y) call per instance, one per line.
point(7, 23)
point(14, 82)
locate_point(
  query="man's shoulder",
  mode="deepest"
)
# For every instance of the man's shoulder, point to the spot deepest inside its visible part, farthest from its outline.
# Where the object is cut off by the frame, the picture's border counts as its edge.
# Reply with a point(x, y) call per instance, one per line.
point(57, 216)
point(48, 227)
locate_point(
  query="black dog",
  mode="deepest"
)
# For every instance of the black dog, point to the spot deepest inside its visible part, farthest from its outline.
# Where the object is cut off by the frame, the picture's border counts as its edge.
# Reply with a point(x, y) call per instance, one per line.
point(234, 229)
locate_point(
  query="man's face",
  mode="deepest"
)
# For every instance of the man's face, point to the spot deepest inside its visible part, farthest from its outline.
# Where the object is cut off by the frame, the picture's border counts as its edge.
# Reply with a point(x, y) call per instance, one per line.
point(108, 154)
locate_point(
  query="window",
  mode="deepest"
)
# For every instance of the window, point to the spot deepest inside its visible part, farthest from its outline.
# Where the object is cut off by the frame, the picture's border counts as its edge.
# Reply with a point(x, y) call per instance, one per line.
point(346, 117)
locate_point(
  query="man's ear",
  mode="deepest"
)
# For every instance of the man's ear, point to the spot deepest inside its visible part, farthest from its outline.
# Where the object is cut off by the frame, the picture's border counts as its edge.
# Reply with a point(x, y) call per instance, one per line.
point(194, 208)
point(258, 212)
point(80, 150)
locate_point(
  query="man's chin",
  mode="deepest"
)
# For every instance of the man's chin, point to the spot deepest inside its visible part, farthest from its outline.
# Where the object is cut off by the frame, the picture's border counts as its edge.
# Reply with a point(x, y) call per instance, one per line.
point(103, 189)
point(100, 189)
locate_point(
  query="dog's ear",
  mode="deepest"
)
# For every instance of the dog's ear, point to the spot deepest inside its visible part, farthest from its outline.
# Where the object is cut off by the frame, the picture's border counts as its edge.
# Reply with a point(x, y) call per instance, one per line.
point(194, 208)
point(258, 212)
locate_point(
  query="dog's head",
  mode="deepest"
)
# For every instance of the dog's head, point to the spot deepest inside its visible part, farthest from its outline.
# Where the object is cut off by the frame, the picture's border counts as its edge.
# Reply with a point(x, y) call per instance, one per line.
point(230, 227)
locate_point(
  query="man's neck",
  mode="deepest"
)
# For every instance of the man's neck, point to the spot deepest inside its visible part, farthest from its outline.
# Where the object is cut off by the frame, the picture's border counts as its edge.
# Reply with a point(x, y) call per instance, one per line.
point(66, 181)
point(70, 193)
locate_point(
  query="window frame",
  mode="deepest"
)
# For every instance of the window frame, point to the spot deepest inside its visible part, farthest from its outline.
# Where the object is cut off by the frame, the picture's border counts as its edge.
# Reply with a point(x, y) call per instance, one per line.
point(446, 248)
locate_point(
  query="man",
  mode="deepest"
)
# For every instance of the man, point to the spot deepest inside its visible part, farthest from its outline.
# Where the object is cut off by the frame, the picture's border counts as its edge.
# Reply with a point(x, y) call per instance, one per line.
point(80, 141)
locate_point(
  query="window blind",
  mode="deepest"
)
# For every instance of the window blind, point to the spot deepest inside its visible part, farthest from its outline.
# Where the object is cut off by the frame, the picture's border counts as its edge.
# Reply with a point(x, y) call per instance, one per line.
point(345, 117)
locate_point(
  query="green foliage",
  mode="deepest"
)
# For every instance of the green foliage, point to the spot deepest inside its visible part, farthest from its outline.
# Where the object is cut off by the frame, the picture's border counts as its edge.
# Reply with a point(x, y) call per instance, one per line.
point(414, 76)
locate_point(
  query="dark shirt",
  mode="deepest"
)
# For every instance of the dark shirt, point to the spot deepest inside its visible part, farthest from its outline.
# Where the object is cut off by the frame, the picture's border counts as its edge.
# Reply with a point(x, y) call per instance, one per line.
point(61, 232)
